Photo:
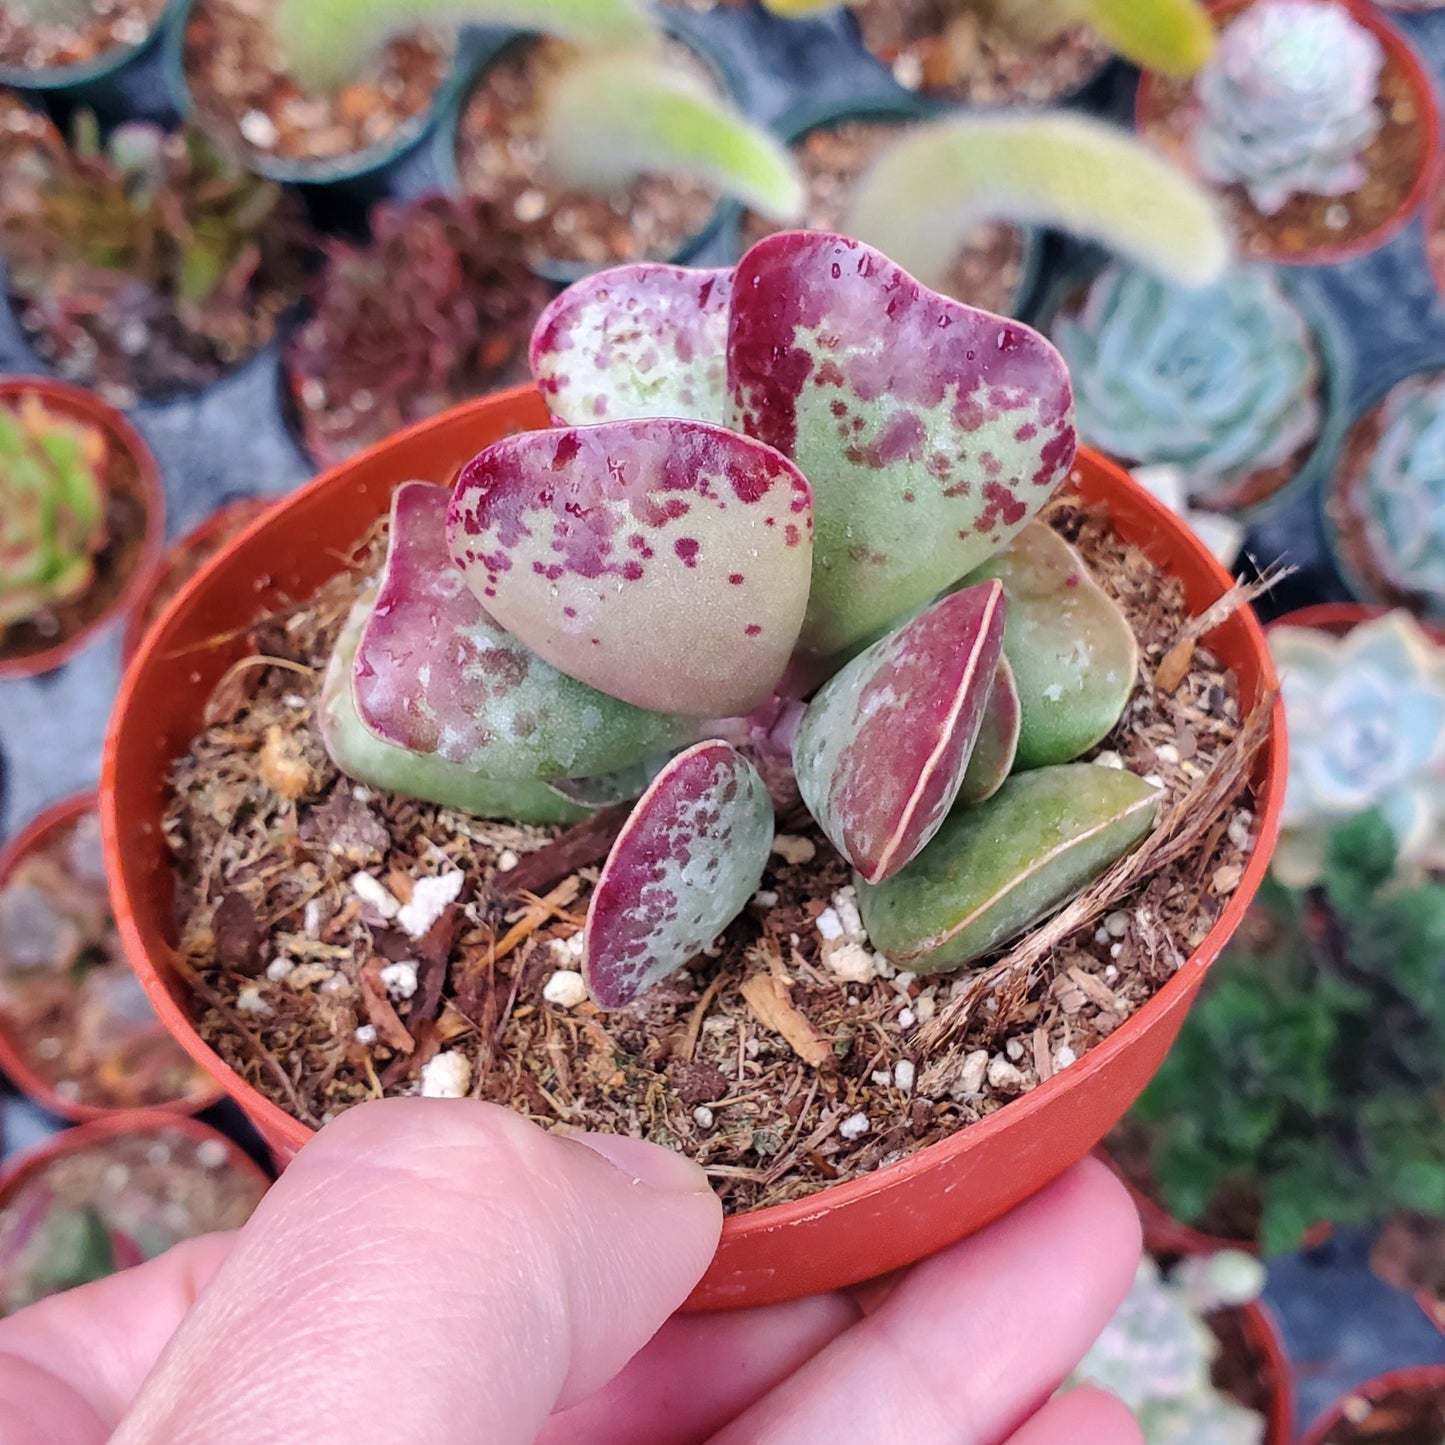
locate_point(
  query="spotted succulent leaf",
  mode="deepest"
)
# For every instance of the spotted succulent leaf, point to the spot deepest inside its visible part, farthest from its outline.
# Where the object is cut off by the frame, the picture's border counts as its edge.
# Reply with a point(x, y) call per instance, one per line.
point(684, 866)
point(434, 674)
point(665, 562)
point(995, 869)
point(882, 750)
point(998, 738)
point(931, 431)
point(636, 341)
point(1072, 650)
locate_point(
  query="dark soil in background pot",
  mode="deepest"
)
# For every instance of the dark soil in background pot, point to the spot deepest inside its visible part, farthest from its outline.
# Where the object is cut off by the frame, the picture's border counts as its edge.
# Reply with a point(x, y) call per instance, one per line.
point(786, 1062)
point(1242, 1369)
point(127, 519)
point(244, 95)
point(49, 44)
point(500, 157)
point(1307, 223)
point(949, 50)
point(989, 268)
point(1403, 1417)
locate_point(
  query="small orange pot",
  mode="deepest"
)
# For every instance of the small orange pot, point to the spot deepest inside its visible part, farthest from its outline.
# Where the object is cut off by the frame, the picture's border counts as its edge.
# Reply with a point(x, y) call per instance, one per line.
point(83, 406)
point(1338, 618)
point(1263, 1334)
point(14, 1061)
point(851, 1232)
point(175, 569)
point(1420, 1378)
point(1149, 106)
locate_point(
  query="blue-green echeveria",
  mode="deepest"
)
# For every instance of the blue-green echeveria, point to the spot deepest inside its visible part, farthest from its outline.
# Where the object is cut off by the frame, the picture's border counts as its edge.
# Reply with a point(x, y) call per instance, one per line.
point(1288, 102)
point(1156, 1353)
point(1402, 496)
point(1366, 717)
point(1222, 380)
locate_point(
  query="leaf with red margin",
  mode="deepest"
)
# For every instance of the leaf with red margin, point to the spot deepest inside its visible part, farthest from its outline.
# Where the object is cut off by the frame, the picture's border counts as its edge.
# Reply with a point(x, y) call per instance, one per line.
point(684, 866)
point(635, 341)
point(663, 561)
point(434, 674)
point(882, 751)
point(998, 737)
point(931, 431)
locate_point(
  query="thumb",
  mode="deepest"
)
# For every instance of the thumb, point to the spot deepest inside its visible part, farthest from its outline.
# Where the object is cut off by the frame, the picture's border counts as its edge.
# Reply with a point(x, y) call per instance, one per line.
point(432, 1270)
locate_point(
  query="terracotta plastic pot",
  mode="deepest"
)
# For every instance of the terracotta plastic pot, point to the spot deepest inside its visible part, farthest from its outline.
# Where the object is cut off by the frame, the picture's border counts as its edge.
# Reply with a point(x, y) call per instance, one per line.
point(1263, 1334)
point(1422, 1378)
point(14, 1061)
point(1148, 106)
point(208, 536)
point(83, 406)
point(851, 1232)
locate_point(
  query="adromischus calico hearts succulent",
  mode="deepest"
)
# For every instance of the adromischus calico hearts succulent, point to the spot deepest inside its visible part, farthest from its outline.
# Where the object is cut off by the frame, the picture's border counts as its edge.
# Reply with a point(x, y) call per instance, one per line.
point(784, 517)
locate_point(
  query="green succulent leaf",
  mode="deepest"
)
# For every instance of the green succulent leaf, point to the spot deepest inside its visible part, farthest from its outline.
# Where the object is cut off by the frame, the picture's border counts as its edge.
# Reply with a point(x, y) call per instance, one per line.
point(882, 749)
point(924, 194)
point(636, 341)
point(683, 867)
point(998, 739)
point(1073, 654)
point(434, 674)
point(360, 754)
point(665, 562)
point(931, 431)
point(608, 118)
point(327, 43)
point(995, 869)
point(1173, 36)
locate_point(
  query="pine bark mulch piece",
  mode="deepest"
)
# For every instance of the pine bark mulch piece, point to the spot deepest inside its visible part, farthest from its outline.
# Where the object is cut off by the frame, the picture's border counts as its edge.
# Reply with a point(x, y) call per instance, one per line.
point(721, 1061)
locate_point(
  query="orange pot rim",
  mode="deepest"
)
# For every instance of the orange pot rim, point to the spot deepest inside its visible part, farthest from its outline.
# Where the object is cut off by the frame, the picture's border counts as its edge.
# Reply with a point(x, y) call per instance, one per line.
point(1263, 1332)
point(14, 1063)
point(1397, 47)
point(24, 1167)
point(1412, 1377)
point(276, 1124)
point(86, 406)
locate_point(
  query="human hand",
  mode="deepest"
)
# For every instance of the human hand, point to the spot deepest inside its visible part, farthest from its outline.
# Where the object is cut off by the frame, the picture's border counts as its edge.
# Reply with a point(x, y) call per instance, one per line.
point(437, 1272)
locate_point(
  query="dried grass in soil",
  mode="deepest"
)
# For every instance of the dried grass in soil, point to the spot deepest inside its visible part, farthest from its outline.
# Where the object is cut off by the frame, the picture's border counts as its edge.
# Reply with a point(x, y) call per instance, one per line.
point(762, 1063)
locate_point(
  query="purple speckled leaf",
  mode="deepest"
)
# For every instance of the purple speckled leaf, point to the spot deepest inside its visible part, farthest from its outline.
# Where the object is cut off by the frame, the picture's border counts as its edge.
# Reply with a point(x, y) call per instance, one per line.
point(883, 749)
point(664, 561)
point(997, 744)
point(683, 867)
point(434, 674)
point(931, 431)
point(635, 341)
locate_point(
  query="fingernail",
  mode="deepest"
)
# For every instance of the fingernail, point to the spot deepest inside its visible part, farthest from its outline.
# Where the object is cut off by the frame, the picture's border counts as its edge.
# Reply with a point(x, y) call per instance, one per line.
point(645, 1163)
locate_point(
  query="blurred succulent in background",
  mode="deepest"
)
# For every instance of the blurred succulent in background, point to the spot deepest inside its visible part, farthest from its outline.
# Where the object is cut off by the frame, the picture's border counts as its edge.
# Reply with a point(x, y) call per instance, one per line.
point(52, 508)
point(677, 561)
point(149, 265)
point(1307, 1077)
point(922, 195)
point(1402, 497)
point(1222, 535)
point(1287, 104)
point(429, 313)
point(1157, 1352)
point(1366, 716)
point(1221, 380)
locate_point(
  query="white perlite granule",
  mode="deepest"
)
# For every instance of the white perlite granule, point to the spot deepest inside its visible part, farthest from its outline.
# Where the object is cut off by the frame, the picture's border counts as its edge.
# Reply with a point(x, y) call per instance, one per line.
point(448, 1076)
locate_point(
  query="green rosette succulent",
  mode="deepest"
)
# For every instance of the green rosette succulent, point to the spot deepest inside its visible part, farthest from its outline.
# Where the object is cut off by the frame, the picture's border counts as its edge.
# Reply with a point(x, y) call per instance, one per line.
point(1287, 102)
point(1220, 380)
point(1366, 716)
point(1155, 1354)
point(1402, 496)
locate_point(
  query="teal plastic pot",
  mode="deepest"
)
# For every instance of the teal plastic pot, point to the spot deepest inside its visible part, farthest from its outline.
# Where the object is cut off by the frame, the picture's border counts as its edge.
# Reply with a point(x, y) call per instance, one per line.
point(502, 43)
point(115, 84)
point(368, 171)
point(904, 108)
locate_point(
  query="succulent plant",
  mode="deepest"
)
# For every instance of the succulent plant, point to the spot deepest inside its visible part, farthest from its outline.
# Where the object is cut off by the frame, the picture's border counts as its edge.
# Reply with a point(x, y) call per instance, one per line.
point(376, 356)
point(923, 194)
point(154, 255)
point(52, 507)
point(1156, 1353)
point(1287, 103)
point(1366, 716)
point(752, 493)
point(1402, 495)
point(1221, 380)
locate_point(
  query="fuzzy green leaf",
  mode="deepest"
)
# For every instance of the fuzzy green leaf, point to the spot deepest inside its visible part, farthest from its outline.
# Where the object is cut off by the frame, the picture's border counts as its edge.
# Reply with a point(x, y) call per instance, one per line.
point(996, 869)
